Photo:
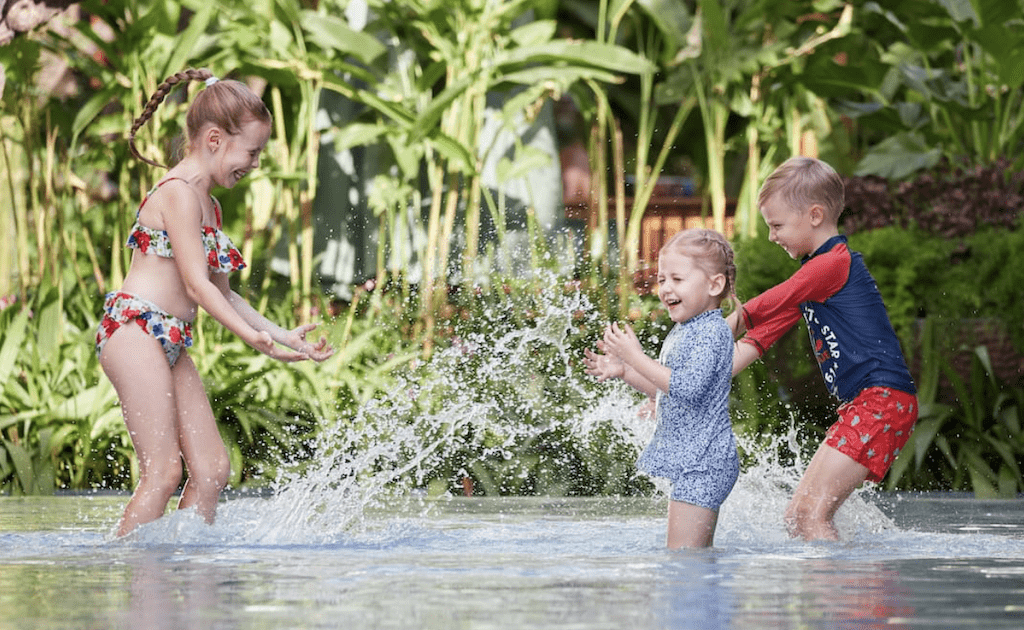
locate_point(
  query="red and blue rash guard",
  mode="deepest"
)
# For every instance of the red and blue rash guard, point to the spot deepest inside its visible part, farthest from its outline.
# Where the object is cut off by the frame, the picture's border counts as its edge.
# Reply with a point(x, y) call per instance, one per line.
point(849, 327)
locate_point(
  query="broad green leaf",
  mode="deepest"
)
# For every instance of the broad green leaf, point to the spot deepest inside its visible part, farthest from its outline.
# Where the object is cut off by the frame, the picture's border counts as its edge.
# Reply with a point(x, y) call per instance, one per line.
point(408, 157)
point(1009, 482)
point(186, 41)
point(527, 159)
point(960, 10)
point(22, 461)
point(983, 480)
point(922, 438)
point(333, 33)
point(588, 53)
point(357, 134)
point(92, 108)
point(50, 327)
point(13, 338)
point(534, 33)
point(459, 158)
point(898, 157)
point(716, 33)
point(561, 75)
point(1006, 453)
point(673, 20)
point(428, 119)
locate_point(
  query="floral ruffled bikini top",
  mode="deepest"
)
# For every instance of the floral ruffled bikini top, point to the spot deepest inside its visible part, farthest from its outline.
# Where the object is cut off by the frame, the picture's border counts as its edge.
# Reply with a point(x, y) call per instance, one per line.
point(221, 253)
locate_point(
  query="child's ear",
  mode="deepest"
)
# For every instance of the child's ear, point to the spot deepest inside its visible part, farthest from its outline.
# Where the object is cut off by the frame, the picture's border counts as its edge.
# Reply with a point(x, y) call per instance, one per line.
point(213, 137)
point(817, 214)
point(717, 284)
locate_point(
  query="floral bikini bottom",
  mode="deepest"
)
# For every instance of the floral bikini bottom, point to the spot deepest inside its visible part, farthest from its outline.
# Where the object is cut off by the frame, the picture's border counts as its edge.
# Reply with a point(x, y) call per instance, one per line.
point(120, 308)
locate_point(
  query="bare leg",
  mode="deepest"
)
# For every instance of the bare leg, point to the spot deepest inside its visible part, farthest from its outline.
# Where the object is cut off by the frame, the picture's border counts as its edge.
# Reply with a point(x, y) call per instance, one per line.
point(690, 525)
point(829, 480)
point(201, 444)
point(136, 366)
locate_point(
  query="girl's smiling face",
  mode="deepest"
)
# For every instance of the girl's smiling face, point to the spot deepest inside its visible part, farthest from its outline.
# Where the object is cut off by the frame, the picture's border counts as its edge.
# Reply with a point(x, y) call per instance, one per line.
point(685, 288)
point(240, 153)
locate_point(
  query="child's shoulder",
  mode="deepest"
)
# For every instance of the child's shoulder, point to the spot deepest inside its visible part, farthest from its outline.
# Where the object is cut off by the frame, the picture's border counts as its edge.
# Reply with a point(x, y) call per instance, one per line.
point(707, 325)
point(827, 267)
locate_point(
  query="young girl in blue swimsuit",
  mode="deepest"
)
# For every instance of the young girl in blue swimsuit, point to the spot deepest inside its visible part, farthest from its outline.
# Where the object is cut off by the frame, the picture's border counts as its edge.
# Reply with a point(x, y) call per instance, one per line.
point(181, 261)
point(693, 444)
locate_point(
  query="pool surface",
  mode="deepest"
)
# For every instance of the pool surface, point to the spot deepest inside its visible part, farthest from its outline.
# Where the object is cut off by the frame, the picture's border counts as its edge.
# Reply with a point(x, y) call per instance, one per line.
point(921, 561)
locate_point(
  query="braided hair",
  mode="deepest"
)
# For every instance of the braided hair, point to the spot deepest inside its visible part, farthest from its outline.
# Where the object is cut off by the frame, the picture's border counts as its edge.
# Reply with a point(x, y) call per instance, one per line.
point(712, 253)
point(226, 104)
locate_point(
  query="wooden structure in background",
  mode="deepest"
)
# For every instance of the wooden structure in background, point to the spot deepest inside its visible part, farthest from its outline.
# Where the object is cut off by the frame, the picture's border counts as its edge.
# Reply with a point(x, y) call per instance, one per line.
point(665, 215)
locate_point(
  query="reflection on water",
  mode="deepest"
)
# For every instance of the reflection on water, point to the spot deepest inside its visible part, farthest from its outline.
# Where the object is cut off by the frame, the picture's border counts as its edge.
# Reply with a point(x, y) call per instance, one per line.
point(508, 563)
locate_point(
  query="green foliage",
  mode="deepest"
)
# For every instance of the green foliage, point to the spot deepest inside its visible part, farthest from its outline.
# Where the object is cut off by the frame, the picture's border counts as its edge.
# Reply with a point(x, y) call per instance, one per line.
point(934, 79)
point(59, 422)
point(975, 443)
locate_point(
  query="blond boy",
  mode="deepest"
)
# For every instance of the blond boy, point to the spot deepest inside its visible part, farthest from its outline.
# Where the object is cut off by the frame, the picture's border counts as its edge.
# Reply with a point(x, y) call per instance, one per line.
point(852, 338)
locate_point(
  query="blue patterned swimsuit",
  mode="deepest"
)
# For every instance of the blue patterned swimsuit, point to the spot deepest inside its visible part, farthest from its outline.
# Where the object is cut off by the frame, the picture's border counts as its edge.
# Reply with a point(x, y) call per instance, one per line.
point(693, 444)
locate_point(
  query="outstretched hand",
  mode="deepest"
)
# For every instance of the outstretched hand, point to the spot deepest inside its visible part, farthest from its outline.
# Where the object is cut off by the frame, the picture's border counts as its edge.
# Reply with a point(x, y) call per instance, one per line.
point(622, 342)
point(319, 351)
point(603, 366)
point(265, 344)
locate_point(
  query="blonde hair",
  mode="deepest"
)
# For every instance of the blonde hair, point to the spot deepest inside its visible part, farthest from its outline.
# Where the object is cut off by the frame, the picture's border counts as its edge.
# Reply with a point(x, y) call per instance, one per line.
point(710, 250)
point(804, 182)
point(226, 104)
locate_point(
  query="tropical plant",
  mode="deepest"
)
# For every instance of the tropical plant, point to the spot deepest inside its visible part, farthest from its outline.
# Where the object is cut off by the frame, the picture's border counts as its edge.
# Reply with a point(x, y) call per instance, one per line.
point(931, 80)
point(976, 443)
point(428, 112)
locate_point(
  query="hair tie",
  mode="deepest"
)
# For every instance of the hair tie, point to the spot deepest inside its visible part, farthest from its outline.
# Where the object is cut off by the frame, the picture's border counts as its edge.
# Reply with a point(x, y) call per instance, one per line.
point(211, 81)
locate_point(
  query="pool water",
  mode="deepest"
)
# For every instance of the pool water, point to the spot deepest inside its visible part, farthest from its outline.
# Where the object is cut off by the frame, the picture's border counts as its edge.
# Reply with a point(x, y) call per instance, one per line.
point(907, 561)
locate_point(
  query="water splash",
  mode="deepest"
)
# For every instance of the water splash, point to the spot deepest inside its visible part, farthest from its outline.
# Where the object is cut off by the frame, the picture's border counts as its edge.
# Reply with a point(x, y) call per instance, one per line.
point(510, 406)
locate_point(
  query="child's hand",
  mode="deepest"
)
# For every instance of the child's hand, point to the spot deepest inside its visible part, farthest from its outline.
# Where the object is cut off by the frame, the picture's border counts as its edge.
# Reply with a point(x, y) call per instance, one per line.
point(319, 351)
point(647, 410)
point(265, 344)
point(622, 342)
point(603, 366)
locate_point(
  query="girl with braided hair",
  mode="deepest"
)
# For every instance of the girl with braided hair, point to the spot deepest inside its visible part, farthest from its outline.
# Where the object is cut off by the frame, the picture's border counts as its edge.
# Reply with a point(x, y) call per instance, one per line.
point(693, 443)
point(181, 262)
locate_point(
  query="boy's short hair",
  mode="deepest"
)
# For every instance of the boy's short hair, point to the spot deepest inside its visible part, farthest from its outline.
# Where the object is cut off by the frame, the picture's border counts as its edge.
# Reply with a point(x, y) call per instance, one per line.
point(803, 182)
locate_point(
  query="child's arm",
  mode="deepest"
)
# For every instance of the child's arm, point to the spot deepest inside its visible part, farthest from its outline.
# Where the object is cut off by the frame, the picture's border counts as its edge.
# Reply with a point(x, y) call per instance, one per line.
point(743, 355)
point(643, 373)
point(294, 339)
point(193, 268)
point(605, 366)
point(735, 322)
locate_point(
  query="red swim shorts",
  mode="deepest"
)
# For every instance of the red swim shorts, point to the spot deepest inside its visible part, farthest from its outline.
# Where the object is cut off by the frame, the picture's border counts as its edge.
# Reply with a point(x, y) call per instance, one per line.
point(873, 427)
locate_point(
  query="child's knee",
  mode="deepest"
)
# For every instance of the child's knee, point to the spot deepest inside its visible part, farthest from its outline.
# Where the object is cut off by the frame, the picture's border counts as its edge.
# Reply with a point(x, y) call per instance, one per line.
point(163, 477)
point(212, 474)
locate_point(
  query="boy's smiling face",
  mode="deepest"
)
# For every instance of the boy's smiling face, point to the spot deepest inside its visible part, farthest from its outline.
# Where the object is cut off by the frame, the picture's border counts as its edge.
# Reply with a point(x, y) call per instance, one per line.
point(792, 229)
